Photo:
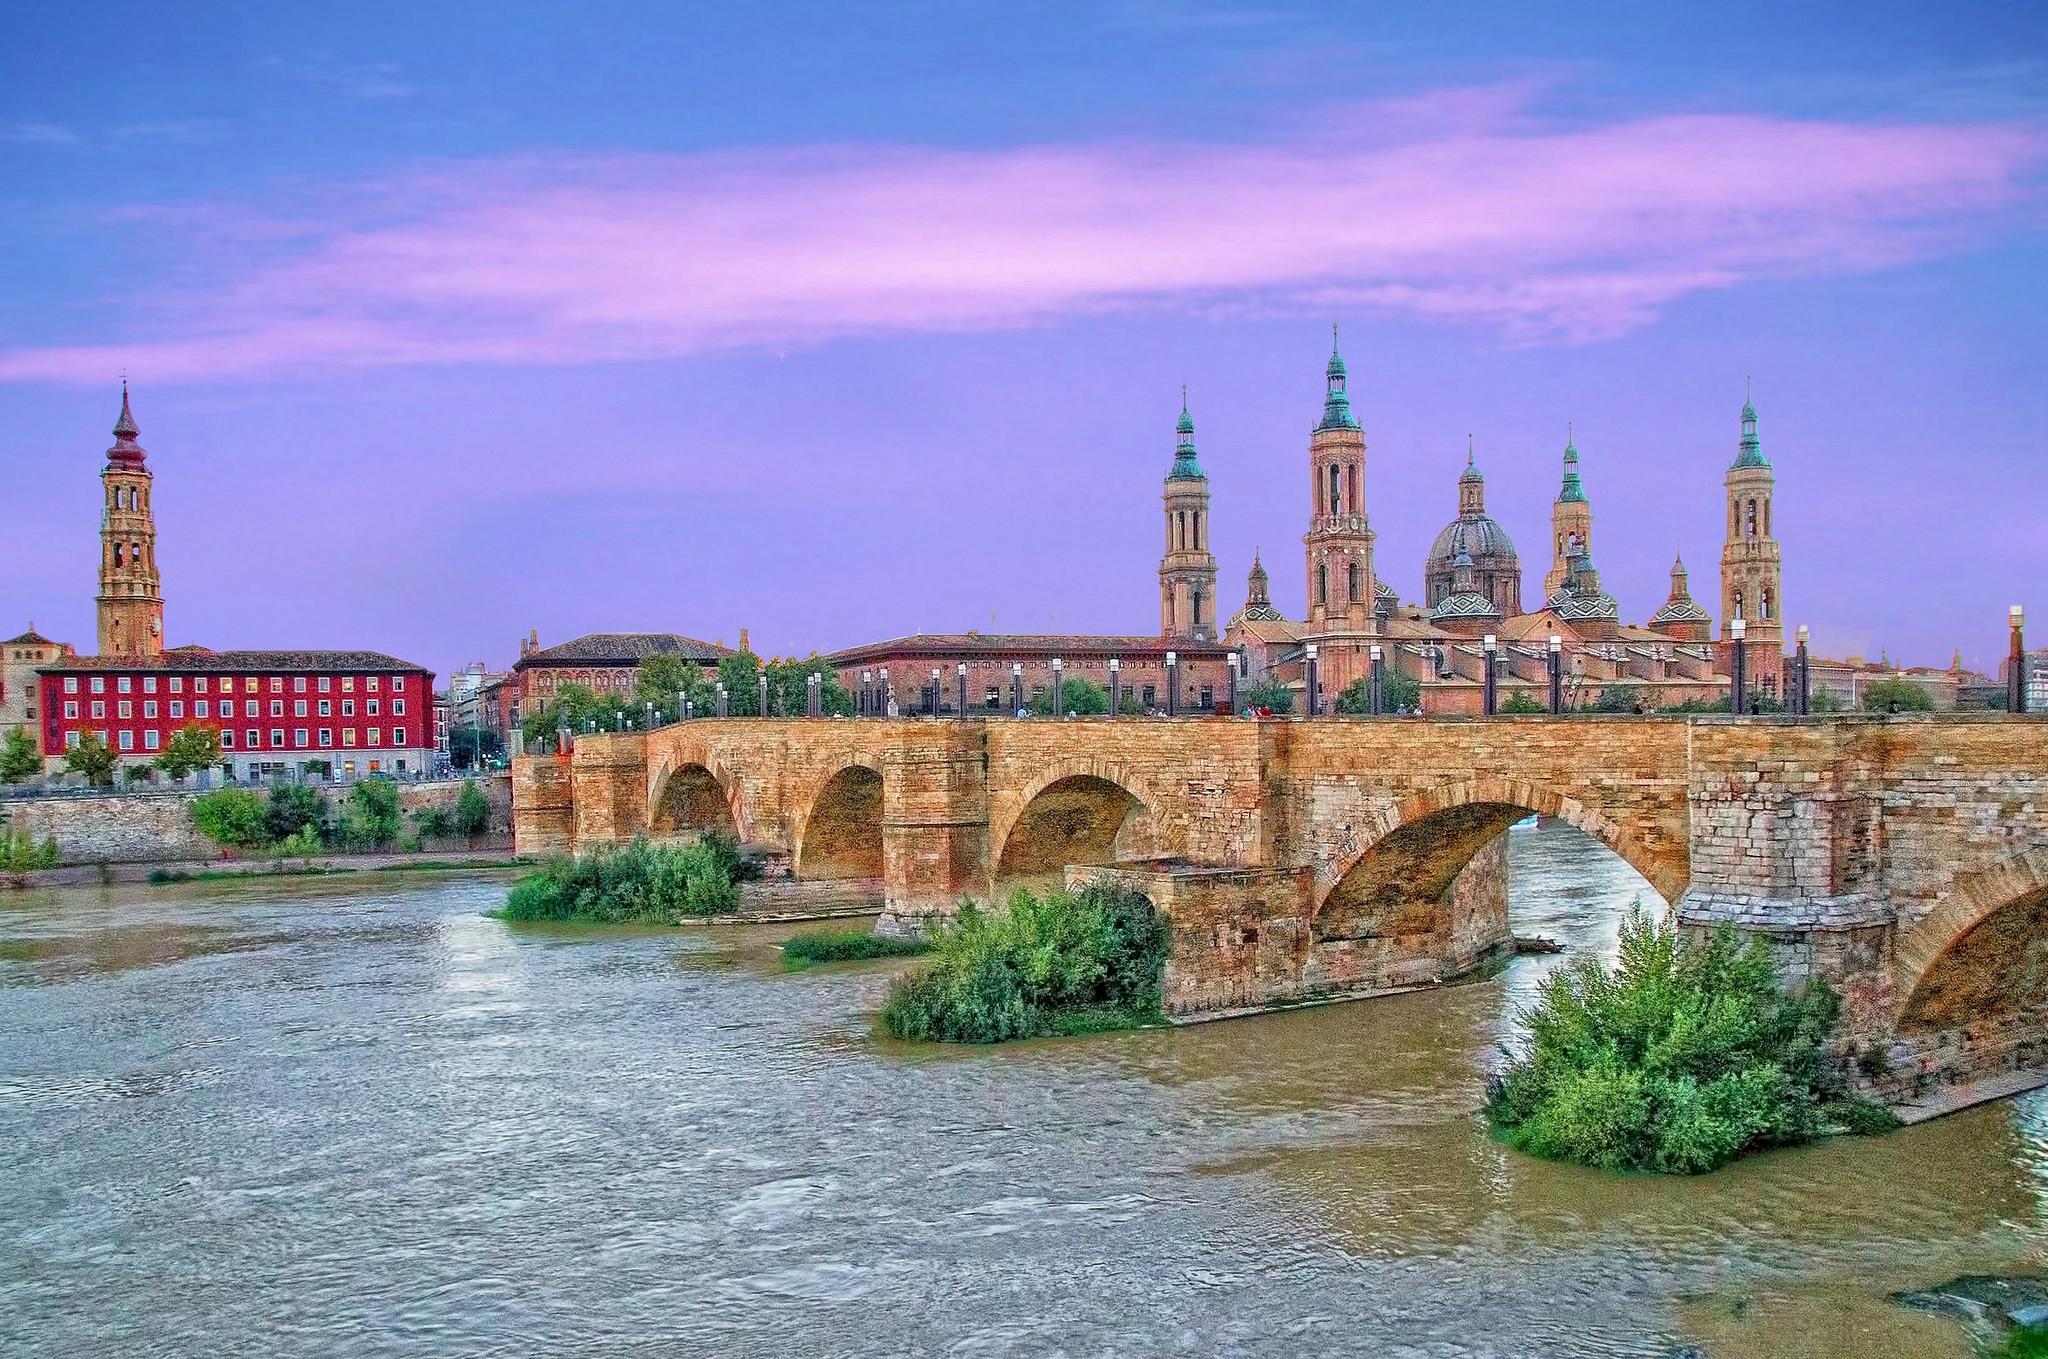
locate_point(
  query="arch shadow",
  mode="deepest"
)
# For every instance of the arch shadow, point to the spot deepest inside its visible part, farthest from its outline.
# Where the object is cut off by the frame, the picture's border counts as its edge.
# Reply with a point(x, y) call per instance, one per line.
point(840, 834)
point(1979, 955)
point(1076, 818)
point(694, 796)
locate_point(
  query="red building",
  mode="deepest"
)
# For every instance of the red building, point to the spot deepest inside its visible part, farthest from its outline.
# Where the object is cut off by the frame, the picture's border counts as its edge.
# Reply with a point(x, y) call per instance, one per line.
point(278, 712)
point(996, 663)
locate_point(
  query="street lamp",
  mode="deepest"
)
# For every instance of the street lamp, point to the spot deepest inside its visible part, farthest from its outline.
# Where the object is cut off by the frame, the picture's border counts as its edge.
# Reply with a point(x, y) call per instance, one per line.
point(1116, 686)
point(1016, 686)
point(1378, 680)
point(867, 698)
point(1802, 676)
point(882, 699)
point(2016, 662)
point(1738, 678)
point(1059, 697)
point(1490, 646)
point(1232, 661)
point(1314, 679)
point(1172, 684)
point(1556, 663)
point(960, 691)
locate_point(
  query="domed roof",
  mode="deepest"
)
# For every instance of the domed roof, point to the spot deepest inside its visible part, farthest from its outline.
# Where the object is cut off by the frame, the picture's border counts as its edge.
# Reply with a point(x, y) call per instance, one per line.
point(1680, 611)
point(1382, 589)
point(1467, 605)
point(1479, 535)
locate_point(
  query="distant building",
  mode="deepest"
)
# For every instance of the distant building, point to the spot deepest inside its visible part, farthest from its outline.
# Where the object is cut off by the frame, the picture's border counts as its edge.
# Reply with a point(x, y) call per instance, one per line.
point(997, 662)
point(20, 697)
point(603, 662)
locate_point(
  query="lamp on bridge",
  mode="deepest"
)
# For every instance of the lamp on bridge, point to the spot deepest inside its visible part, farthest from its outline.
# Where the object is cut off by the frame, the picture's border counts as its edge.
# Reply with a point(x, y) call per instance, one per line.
point(1378, 681)
point(2016, 662)
point(1116, 686)
point(1489, 645)
point(937, 692)
point(867, 698)
point(1802, 676)
point(882, 699)
point(1311, 678)
point(1556, 664)
point(960, 685)
point(1231, 661)
point(1059, 696)
point(724, 702)
point(761, 692)
point(1016, 686)
point(1738, 668)
point(1172, 684)
point(650, 716)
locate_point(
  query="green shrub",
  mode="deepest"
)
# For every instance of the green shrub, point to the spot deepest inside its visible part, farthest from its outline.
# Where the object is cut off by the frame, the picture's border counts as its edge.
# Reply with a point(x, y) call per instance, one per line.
point(1522, 703)
point(433, 823)
point(472, 810)
point(2023, 1342)
point(160, 876)
point(370, 818)
point(1896, 696)
point(1056, 963)
point(233, 818)
point(293, 807)
point(49, 856)
point(641, 882)
point(838, 946)
point(1687, 1055)
point(303, 843)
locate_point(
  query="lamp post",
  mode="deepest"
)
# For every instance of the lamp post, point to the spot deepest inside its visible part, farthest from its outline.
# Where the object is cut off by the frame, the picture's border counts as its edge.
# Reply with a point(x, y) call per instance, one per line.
point(2016, 662)
point(1556, 663)
point(650, 716)
point(882, 698)
point(1059, 694)
point(960, 691)
point(1232, 662)
point(814, 694)
point(1116, 686)
point(724, 701)
point(1490, 646)
point(1738, 667)
point(1016, 686)
point(867, 697)
point(1314, 686)
point(938, 692)
point(761, 694)
point(1172, 684)
point(1802, 676)
point(1378, 681)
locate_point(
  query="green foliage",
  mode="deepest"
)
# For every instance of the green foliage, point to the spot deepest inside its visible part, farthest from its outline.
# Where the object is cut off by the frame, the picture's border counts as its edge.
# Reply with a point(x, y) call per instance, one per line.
point(1697, 705)
point(1896, 695)
point(786, 689)
point(470, 746)
point(1054, 963)
point(233, 818)
point(370, 818)
point(838, 946)
point(303, 843)
point(20, 853)
point(92, 758)
point(19, 758)
point(1522, 702)
point(1400, 691)
point(1684, 1057)
point(740, 674)
point(1828, 701)
point(139, 773)
point(1081, 696)
point(576, 707)
point(294, 807)
point(639, 883)
point(1267, 693)
point(2023, 1342)
point(190, 748)
point(1619, 698)
point(472, 810)
point(433, 823)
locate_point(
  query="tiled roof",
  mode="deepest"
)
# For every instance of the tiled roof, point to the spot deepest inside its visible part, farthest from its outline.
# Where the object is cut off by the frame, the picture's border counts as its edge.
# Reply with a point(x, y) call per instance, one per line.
point(190, 658)
point(624, 648)
point(1050, 644)
point(29, 638)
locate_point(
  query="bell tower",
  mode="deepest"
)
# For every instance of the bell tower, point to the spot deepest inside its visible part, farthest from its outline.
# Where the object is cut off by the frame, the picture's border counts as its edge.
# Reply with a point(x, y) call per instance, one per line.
point(131, 601)
point(1187, 570)
point(1571, 522)
point(1338, 544)
point(1751, 568)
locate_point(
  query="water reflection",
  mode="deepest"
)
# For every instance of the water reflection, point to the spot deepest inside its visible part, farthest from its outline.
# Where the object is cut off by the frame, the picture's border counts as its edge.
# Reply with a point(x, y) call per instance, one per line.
point(325, 1117)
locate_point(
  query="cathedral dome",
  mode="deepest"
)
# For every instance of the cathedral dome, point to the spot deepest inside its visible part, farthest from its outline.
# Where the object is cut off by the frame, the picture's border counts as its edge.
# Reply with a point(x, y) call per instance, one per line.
point(1480, 536)
point(1466, 605)
point(1680, 611)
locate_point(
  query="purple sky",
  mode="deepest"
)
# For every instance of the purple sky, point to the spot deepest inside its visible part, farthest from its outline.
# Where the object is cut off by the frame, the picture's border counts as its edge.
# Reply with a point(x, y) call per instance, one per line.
point(438, 334)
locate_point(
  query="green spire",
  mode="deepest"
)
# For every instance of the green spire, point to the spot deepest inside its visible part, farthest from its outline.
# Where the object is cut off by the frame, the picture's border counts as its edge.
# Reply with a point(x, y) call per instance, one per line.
point(1336, 404)
point(1572, 491)
point(1749, 452)
point(1471, 472)
point(1185, 468)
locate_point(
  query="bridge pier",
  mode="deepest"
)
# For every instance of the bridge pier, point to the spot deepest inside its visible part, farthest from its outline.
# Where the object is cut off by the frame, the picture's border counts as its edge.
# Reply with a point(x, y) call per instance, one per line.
point(934, 825)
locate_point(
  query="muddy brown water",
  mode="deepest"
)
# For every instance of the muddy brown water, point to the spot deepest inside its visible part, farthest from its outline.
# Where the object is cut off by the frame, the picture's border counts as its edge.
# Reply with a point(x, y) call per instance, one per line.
point(355, 1117)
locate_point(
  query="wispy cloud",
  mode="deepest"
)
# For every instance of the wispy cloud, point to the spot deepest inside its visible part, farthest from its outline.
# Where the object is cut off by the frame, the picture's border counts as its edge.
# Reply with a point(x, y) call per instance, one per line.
point(39, 134)
point(1464, 207)
point(356, 79)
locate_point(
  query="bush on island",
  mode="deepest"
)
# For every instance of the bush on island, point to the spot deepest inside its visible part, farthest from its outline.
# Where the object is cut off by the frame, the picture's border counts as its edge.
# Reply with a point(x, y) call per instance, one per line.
point(636, 883)
point(1058, 962)
point(840, 946)
point(1687, 1055)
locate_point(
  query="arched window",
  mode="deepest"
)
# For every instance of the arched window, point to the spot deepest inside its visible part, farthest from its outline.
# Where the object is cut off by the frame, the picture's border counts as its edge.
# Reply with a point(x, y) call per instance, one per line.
point(1322, 583)
point(1734, 518)
point(1197, 619)
point(1767, 518)
point(1198, 536)
point(1356, 574)
point(1351, 474)
point(1334, 488)
point(1763, 610)
point(117, 554)
point(1738, 604)
point(1751, 529)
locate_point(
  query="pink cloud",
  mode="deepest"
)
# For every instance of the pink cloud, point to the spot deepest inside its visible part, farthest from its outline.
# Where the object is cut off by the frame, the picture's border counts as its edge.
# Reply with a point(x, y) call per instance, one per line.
point(1484, 215)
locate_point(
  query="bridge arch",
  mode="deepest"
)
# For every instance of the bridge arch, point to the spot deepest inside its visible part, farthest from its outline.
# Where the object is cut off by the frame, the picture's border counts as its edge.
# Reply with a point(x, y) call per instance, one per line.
point(1981, 956)
point(1414, 850)
point(693, 793)
point(839, 832)
point(1074, 811)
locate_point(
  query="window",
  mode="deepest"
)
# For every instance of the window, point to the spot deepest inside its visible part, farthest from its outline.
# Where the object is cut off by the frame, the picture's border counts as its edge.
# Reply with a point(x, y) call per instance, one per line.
point(370, 706)
point(71, 708)
point(249, 685)
point(398, 707)
point(398, 736)
point(348, 684)
point(149, 708)
point(301, 737)
point(177, 684)
point(199, 684)
point(201, 708)
point(227, 738)
point(277, 737)
point(1150, 696)
point(327, 707)
point(71, 684)
point(277, 684)
point(99, 707)
point(1356, 574)
point(255, 739)
point(376, 736)
point(124, 685)
point(150, 739)
point(1322, 583)
point(1208, 698)
point(298, 707)
point(298, 684)
point(127, 740)
point(70, 740)
point(149, 684)
point(397, 684)
point(99, 684)
point(177, 708)
point(277, 707)
point(348, 736)
point(125, 708)
point(325, 683)
point(371, 684)
point(326, 736)
point(348, 707)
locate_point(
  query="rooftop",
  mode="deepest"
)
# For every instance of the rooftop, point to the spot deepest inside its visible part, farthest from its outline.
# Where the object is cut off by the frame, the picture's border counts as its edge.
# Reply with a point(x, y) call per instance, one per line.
point(624, 648)
point(982, 643)
point(198, 658)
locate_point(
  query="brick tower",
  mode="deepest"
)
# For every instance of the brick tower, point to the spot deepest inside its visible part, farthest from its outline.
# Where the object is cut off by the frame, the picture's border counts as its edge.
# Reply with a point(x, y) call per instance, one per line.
point(1187, 571)
point(1751, 569)
point(131, 601)
point(1338, 544)
point(1571, 523)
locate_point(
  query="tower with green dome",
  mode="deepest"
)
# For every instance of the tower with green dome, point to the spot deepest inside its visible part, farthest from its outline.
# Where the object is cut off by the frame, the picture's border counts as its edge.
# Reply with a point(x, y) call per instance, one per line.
point(1571, 522)
point(1187, 569)
point(1338, 544)
point(1752, 568)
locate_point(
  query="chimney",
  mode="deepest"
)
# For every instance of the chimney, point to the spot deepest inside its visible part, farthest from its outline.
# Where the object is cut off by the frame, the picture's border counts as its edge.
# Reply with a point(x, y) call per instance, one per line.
point(743, 640)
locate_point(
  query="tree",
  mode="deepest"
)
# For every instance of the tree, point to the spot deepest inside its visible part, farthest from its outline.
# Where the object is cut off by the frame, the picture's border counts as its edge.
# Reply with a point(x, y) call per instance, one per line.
point(190, 748)
point(1828, 701)
point(1268, 693)
point(371, 817)
point(433, 823)
point(293, 807)
point(1081, 696)
point(740, 673)
point(19, 758)
point(233, 818)
point(787, 688)
point(472, 811)
point(1896, 696)
point(661, 677)
point(93, 758)
point(1399, 691)
point(1521, 703)
point(139, 773)
point(1619, 698)
point(470, 746)
point(576, 707)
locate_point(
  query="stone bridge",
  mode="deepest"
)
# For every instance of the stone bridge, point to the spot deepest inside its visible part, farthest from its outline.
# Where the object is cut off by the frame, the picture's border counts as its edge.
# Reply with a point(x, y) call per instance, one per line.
point(1903, 858)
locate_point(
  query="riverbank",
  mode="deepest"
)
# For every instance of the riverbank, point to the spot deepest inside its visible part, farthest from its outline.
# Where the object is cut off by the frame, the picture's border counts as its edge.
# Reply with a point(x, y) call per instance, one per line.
point(205, 870)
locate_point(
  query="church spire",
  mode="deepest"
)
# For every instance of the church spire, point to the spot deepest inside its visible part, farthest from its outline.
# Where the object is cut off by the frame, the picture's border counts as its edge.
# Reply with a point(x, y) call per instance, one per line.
point(1185, 468)
point(1750, 451)
point(125, 449)
point(1336, 401)
point(1571, 490)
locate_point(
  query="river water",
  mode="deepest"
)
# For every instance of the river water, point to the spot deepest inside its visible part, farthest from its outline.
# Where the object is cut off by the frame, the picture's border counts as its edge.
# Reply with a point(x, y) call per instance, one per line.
point(354, 1117)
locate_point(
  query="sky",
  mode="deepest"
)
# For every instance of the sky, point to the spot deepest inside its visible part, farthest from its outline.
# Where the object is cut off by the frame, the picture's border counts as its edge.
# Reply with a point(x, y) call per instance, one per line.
point(444, 323)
